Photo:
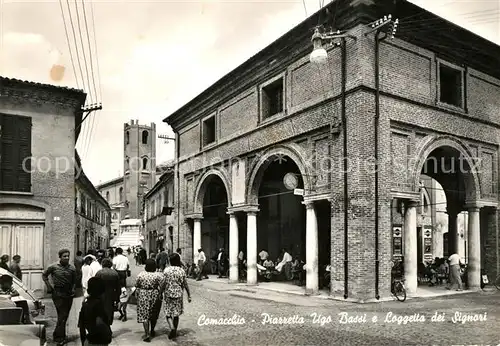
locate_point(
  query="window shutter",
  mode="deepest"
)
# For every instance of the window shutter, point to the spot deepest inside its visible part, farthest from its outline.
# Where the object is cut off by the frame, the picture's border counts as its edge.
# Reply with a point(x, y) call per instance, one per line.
point(24, 154)
point(15, 148)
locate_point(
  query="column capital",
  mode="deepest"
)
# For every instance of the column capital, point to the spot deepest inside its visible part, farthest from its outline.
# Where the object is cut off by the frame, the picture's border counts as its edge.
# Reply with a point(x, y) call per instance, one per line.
point(308, 204)
point(471, 209)
point(243, 207)
point(481, 204)
point(194, 217)
point(411, 203)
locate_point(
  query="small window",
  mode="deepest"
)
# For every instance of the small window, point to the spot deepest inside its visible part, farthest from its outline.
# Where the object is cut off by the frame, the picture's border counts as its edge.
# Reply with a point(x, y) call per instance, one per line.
point(272, 99)
point(121, 194)
point(127, 137)
point(107, 196)
point(127, 164)
point(209, 131)
point(145, 135)
point(145, 163)
point(450, 86)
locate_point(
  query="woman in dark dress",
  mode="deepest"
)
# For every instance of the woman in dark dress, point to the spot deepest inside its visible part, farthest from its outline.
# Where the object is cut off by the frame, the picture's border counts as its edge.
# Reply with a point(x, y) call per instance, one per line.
point(93, 320)
point(112, 291)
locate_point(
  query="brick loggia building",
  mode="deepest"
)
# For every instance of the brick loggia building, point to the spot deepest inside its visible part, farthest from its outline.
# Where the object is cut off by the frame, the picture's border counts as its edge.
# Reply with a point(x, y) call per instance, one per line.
point(275, 123)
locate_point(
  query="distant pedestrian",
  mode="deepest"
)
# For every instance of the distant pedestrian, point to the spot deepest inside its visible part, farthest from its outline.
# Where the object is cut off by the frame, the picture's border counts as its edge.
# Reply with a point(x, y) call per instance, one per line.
point(78, 263)
point(112, 285)
point(143, 256)
point(63, 275)
point(3, 262)
point(15, 267)
point(202, 259)
point(179, 252)
point(122, 266)
point(162, 259)
point(175, 284)
point(93, 319)
point(455, 278)
point(149, 288)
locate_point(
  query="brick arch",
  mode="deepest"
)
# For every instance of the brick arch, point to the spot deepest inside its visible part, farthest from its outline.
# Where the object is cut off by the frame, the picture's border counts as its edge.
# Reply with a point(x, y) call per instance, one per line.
point(204, 181)
point(256, 173)
point(472, 181)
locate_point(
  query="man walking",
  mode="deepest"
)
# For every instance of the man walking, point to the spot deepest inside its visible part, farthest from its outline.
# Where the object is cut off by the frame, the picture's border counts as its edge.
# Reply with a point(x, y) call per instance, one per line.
point(122, 266)
point(162, 259)
point(455, 278)
point(63, 276)
point(15, 267)
point(201, 264)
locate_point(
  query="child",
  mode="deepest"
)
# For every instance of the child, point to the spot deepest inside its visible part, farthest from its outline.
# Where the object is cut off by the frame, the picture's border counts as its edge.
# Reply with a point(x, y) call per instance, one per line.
point(125, 297)
point(6, 288)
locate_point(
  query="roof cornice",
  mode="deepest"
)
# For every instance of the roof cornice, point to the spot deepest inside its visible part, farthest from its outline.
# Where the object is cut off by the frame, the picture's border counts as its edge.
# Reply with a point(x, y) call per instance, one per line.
point(348, 14)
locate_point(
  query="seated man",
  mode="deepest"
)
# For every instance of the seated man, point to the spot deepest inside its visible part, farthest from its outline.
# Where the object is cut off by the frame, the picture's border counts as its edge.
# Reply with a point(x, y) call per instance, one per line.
point(297, 269)
point(7, 292)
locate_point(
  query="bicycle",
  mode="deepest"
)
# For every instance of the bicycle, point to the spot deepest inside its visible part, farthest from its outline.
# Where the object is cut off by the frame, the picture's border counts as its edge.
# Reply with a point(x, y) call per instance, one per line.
point(399, 289)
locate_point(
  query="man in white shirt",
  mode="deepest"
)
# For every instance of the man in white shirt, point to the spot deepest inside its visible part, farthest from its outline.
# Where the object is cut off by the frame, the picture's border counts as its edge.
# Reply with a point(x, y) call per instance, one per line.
point(121, 265)
point(455, 278)
point(286, 259)
point(201, 264)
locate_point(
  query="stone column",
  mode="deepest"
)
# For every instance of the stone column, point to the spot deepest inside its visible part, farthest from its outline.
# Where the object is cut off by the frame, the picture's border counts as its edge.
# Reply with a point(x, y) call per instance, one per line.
point(311, 249)
point(252, 247)
point(196, 238)
point(410, 247)
point(453, 238)
point(474, 250)
point(233, 248)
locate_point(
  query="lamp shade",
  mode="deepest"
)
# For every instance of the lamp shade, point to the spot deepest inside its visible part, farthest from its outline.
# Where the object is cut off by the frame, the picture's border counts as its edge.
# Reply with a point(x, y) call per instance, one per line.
point(318, 56)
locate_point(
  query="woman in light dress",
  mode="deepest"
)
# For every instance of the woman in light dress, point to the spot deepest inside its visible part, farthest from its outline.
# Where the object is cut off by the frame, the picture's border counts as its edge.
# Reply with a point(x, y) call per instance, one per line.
point(149, 288)
point(175, 284)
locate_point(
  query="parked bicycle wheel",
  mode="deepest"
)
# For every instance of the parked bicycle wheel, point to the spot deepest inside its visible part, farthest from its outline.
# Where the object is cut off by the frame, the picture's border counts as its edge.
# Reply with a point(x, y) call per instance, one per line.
point(400, 291)
point(497, 282)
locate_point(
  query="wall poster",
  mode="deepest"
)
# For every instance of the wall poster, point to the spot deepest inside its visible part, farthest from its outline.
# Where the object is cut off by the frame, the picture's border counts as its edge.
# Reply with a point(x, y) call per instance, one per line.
point(397, 242)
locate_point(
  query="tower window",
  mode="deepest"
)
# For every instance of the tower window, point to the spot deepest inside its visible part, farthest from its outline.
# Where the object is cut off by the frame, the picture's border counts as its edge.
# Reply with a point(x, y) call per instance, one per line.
point(145, 135)
point(272, 99)
point(450, 85)
point(121, 194)
point(145, 163)
point(107, 196)
point(127, 137)
point(127, 164)
point(209, 131)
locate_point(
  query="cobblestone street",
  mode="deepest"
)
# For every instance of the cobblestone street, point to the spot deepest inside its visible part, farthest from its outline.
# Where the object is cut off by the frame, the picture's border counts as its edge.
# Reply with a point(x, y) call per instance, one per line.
point(214, 301)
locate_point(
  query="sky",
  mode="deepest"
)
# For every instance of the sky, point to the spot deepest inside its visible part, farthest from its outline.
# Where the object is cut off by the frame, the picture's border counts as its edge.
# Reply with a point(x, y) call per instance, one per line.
point(150, 57)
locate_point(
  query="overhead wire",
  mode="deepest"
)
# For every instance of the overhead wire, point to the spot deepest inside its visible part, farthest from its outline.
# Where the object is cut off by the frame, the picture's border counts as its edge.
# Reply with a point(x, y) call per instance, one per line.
point(90, 124)
point(99, 96)
point(84, 127)
point(69, 45)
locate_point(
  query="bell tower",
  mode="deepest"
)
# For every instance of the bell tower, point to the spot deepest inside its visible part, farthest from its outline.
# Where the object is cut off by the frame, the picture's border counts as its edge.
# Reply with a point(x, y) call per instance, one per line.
point(139, 164)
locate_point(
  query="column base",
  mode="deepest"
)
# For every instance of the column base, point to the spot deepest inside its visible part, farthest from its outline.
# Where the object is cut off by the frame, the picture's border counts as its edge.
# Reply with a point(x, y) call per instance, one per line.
point(312, 292)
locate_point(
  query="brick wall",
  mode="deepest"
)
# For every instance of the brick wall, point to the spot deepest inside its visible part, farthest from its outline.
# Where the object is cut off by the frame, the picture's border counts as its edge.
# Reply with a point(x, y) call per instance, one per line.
point(53, 173)
point(409, 114)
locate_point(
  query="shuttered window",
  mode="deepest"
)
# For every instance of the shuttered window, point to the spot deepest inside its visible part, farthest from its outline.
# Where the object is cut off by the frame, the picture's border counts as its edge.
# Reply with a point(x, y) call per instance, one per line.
point(15, 153)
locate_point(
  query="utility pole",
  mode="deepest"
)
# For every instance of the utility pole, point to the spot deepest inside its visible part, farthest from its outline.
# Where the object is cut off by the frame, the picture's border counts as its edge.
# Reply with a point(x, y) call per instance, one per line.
point(89, 109)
